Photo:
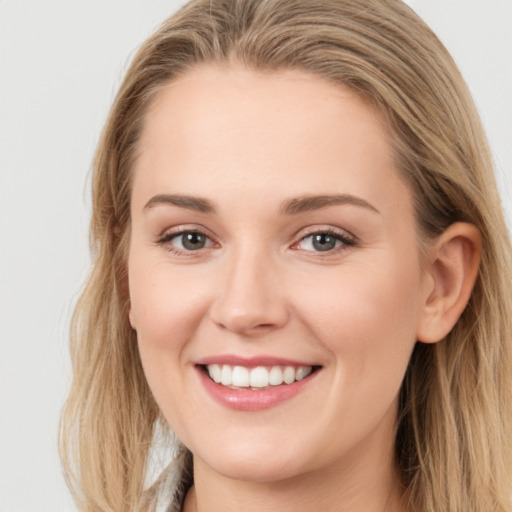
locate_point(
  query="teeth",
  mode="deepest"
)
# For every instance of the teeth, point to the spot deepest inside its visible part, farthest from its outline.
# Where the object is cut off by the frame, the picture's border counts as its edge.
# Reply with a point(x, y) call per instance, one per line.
point(215, 372)
point(240, 377)
point(302, 372)
point(289, 375)
point(275, 377)
point(226, 375)
point(259, 377)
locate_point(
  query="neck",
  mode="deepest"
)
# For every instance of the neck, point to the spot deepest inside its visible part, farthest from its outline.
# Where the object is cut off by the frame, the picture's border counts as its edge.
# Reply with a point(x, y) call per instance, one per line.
point(365, 481)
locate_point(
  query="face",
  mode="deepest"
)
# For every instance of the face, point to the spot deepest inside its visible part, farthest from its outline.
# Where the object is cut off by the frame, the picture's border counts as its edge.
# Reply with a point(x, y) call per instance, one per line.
point(274, 271)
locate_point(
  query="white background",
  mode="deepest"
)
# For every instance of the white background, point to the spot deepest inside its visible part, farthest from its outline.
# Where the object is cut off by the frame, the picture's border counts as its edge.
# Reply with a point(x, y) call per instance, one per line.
point(61, 61)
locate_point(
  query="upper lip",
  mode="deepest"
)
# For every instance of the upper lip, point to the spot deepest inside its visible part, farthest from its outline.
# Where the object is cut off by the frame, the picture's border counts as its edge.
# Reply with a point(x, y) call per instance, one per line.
point(251, 362)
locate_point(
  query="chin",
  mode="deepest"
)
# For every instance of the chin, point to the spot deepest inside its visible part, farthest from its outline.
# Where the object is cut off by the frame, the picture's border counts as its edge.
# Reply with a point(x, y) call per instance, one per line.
point(255, 470)
point(252, 464)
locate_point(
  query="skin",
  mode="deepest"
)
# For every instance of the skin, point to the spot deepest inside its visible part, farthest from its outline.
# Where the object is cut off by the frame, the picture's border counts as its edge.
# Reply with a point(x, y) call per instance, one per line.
point(248, 143)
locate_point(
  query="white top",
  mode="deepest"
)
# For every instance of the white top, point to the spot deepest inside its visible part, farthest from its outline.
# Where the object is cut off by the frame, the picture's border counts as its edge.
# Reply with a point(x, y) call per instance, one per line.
point(169, 491)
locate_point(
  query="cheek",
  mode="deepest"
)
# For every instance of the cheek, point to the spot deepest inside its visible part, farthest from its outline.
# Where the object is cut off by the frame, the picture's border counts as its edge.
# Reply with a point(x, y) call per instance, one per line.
point(166, 303)
point(167, 309)
point(366, 316)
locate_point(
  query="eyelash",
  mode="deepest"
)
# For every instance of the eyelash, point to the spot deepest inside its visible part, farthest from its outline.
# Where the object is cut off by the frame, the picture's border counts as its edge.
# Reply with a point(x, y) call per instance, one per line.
point(345, 239)
point(166, 238)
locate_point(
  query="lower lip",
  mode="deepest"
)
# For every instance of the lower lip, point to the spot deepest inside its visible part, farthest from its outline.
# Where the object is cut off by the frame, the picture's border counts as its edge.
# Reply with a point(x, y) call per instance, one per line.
point(249, 400)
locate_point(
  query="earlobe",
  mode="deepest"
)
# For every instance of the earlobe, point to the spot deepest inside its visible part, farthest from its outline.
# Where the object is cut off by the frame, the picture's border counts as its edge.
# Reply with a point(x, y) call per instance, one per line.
point(131, 316)
point(452, 271)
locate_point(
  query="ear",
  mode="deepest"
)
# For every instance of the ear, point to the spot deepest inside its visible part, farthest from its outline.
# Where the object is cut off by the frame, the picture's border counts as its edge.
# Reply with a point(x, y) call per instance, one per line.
point(131, 315)
point(451, 273)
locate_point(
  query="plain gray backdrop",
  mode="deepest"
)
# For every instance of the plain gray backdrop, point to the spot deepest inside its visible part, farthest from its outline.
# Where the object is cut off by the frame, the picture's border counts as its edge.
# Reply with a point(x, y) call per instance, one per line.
point(61, 62)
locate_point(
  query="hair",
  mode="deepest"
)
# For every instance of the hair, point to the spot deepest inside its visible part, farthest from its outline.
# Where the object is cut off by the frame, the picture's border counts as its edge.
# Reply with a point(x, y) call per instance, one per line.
point(453, 443)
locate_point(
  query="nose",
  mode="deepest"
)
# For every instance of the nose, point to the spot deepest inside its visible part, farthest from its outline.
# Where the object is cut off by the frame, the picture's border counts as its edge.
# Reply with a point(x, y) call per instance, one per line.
point(250, 300)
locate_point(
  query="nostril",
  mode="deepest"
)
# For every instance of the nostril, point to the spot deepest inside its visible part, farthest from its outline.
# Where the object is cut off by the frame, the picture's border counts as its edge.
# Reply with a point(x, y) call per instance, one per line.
point(255, 322)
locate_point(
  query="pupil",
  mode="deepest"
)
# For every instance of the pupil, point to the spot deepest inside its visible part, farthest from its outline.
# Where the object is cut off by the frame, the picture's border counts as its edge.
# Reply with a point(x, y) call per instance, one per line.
point(193, 241)
point(324, 242)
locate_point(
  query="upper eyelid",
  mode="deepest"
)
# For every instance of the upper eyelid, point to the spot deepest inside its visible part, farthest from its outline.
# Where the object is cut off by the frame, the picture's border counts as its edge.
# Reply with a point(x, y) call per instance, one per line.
point(342, 233)
point(176, 234)
point(184, 228)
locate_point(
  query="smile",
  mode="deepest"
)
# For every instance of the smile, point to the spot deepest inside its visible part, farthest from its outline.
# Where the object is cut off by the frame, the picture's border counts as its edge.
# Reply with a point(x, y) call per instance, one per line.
point(258, 378)
point(255, 384)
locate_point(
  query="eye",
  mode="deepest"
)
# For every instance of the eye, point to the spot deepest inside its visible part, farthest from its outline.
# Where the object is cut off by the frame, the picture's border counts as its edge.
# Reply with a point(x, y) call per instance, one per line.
point(186, 241)
point(324, 241)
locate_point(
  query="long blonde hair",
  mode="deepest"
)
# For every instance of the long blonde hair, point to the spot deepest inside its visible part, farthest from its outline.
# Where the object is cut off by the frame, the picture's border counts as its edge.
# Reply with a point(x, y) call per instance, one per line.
point(453, 443)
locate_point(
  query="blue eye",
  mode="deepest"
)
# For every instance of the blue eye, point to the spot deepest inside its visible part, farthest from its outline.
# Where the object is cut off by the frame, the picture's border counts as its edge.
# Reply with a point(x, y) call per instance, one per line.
point(324, 241)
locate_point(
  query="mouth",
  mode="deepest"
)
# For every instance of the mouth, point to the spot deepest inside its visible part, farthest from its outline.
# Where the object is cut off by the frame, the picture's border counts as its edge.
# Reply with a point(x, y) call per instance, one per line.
point(255, 383)
point(257, 378)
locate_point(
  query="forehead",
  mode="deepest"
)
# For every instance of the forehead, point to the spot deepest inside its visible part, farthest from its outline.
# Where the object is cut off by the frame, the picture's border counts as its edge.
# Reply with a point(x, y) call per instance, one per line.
point(228, 128)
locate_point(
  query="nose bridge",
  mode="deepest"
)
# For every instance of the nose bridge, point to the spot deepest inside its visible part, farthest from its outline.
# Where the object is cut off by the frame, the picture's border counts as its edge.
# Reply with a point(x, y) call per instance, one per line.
point(250, 299)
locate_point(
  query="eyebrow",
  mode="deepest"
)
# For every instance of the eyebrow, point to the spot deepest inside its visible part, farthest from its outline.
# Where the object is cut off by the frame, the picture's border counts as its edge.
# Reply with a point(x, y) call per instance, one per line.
point(309, 203)
point(290, 207)
point(189, 202)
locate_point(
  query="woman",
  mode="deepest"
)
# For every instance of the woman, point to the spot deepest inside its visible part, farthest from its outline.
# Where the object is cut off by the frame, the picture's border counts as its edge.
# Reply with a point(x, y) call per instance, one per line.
point(301, 268)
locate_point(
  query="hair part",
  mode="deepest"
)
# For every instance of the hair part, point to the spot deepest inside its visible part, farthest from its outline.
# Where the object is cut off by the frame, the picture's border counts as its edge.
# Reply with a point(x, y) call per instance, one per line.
point(454, 439)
